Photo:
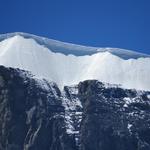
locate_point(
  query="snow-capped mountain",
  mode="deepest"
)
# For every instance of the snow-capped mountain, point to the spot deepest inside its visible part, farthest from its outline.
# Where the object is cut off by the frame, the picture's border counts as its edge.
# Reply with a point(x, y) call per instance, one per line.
point(68, 64)
point(49, 103)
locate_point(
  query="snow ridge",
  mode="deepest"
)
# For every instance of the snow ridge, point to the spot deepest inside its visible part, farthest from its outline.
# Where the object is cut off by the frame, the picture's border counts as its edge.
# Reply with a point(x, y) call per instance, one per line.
point(26, 53)
point(74, 49)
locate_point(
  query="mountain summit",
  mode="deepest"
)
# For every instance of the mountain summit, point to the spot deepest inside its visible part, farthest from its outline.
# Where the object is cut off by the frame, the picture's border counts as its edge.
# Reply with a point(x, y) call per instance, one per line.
point(40, 109)
point(68, 64)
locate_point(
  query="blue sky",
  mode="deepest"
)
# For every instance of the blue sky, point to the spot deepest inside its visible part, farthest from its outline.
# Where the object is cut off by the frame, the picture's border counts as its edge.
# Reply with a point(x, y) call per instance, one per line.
point(103, 23)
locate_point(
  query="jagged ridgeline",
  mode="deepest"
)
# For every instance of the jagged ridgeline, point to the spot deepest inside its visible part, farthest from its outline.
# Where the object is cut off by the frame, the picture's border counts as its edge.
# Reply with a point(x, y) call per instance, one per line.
point(36, 115)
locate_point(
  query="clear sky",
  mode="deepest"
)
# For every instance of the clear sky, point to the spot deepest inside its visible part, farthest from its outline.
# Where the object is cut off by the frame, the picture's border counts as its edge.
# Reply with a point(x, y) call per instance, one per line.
point(103, 23)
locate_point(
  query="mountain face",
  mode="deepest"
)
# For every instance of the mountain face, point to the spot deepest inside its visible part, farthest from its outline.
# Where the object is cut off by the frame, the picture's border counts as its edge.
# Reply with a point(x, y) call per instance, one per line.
point(43, 59)
point(36, 115)
point(61, 96)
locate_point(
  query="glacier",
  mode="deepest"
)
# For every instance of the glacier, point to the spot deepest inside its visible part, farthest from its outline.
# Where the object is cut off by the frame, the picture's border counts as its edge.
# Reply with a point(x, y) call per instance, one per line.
point(68, 64)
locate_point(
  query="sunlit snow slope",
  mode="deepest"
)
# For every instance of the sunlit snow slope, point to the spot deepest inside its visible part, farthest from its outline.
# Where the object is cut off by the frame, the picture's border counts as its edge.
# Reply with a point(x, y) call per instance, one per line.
point(128, 68)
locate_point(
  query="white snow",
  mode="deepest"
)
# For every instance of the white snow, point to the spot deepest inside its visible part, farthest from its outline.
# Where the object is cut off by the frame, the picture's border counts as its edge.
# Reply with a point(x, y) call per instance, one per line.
point(27, 54)
point(148, 96)
point(72, 115)
point(129, 127)
point(127, 101)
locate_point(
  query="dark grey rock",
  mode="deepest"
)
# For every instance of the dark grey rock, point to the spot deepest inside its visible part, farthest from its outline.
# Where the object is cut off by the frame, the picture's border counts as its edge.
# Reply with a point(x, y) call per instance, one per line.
point(109, 123)
point(36, 115)
point(31, 117)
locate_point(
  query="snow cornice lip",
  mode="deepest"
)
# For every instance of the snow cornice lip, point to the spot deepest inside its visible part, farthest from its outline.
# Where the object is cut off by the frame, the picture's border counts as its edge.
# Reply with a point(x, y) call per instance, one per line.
point(75, 49)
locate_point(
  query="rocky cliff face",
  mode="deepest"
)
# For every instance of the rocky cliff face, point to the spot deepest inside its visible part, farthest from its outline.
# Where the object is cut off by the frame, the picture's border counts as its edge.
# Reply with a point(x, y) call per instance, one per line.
point(114, 118)
point(31, 114)
point(36, 115)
